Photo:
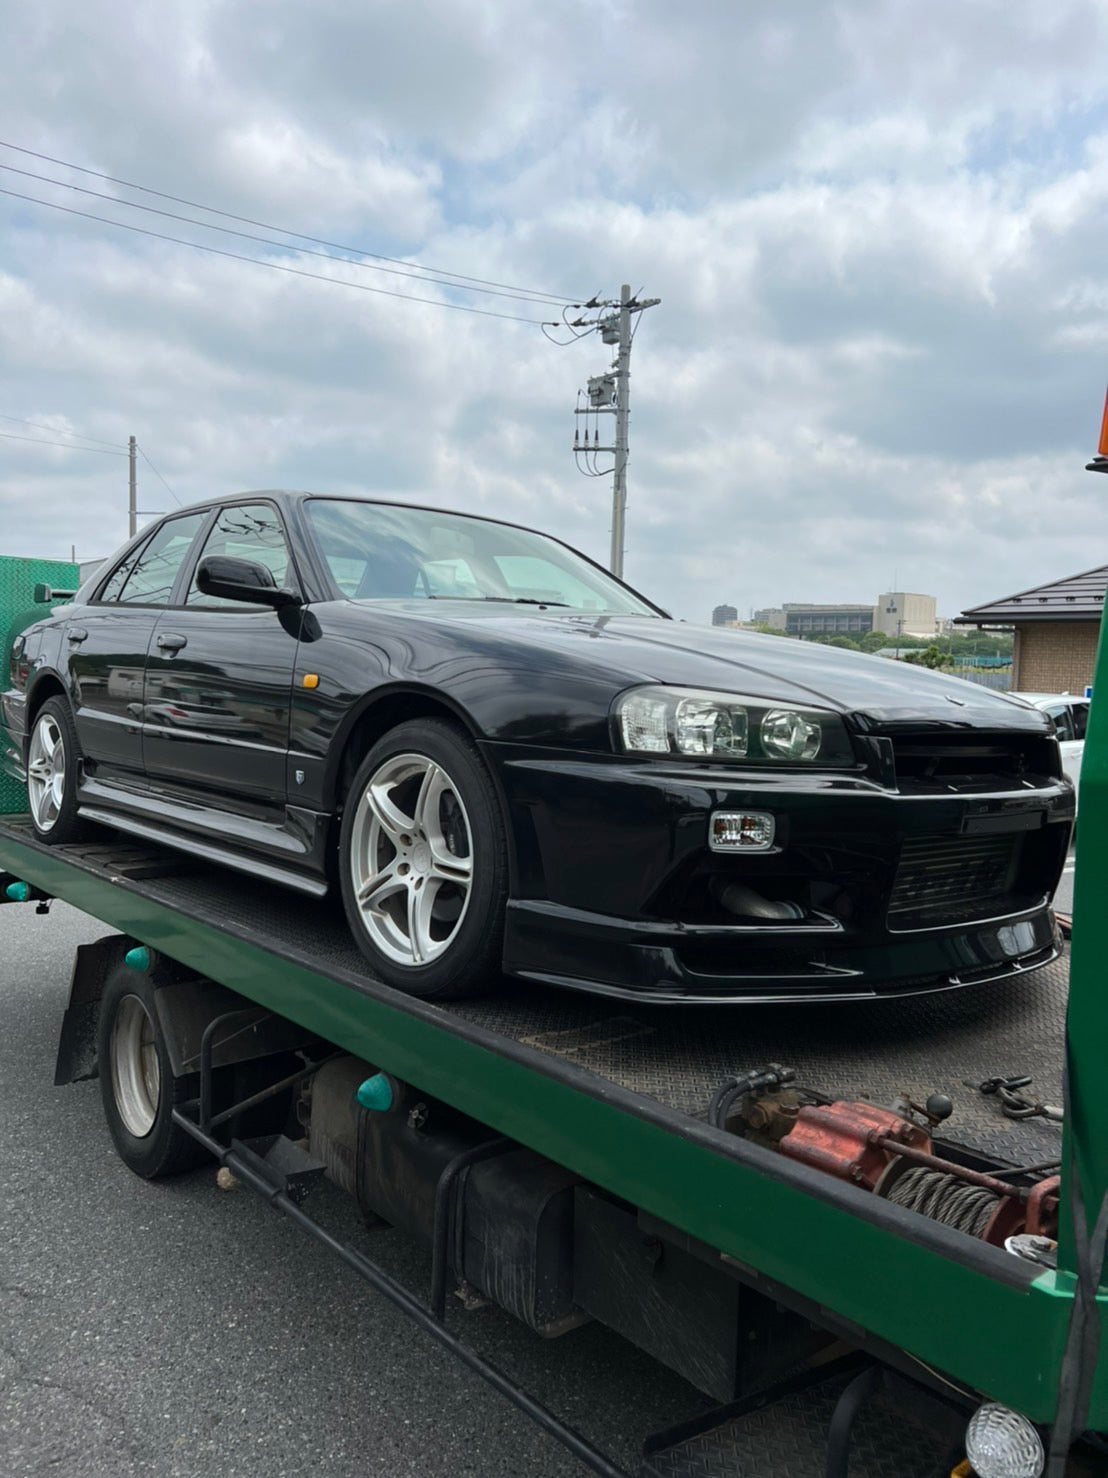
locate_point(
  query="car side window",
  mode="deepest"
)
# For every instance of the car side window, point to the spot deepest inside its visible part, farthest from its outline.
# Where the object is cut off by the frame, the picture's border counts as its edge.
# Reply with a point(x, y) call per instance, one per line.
point(252, 532)
point(1060, 717)
point(118, 577)
point(1080, 712)
point(148, 579)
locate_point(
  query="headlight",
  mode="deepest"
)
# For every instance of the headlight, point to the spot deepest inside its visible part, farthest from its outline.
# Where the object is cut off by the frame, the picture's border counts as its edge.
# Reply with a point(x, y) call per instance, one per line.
point(722, 726)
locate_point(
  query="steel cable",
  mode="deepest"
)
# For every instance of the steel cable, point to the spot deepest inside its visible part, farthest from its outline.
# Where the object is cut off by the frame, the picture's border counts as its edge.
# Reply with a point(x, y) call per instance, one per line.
point(943, 1198)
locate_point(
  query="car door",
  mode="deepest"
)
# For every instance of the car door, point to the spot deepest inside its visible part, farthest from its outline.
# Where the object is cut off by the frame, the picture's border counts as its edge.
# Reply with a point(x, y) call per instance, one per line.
point(106, 643)
point(218, 679)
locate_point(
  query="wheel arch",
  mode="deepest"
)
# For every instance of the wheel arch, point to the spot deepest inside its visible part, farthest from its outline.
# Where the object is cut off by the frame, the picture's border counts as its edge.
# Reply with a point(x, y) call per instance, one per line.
point(383, 710)
point(47, 684)
point(375, 715)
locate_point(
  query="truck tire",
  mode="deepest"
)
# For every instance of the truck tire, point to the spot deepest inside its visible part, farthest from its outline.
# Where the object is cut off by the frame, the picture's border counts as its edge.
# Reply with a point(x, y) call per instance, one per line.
point(423, 862)
point(137, 1085)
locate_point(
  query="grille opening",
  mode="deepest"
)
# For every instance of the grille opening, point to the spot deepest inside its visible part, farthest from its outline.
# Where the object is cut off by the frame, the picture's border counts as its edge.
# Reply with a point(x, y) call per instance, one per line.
point(942, 762)
point(955, 880)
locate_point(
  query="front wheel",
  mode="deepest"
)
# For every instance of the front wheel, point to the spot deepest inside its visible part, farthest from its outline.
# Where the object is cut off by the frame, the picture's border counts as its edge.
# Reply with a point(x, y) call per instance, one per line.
point(423, 862)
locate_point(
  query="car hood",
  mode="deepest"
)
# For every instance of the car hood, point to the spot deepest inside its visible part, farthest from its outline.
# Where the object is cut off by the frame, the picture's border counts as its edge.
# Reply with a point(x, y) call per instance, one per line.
point(876, 690)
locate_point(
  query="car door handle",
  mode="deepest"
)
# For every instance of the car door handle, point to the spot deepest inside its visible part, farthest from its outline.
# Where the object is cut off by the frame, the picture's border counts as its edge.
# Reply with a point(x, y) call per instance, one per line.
point(169, 642)
point(76, 634)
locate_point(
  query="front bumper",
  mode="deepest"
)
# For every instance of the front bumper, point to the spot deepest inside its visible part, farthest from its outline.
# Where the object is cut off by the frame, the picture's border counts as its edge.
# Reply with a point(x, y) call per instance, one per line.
point(615, 889)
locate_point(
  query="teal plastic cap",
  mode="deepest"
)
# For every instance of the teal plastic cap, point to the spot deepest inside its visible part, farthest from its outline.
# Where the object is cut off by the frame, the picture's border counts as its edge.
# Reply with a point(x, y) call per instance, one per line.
point(376, 1093)
point(138, 958)
point(18, 892)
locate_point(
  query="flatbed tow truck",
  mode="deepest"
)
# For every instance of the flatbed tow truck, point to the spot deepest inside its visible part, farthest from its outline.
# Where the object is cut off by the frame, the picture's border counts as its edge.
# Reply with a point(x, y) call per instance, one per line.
point(855, 1226)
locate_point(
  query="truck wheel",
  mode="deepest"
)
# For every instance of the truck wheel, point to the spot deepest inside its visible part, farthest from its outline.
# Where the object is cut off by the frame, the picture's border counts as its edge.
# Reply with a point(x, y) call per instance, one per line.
point(137, 1085)
point(423, 862)
point(52, 758)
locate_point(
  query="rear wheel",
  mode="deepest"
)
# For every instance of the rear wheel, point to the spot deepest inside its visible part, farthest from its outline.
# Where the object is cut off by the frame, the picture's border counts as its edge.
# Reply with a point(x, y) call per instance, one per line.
point(137, 1086)
point(423, 862)
point(52, 759)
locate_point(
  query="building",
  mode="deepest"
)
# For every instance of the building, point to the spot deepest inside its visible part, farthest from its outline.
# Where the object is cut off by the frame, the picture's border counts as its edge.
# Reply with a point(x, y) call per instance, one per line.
point(724, 616)
point(815, 620)
point(1057, 628)
point(772, 616)
point(901, 613)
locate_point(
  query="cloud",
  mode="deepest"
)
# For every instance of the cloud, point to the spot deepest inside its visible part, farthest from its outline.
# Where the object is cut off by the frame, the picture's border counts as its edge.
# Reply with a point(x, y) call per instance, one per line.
point(877, 233)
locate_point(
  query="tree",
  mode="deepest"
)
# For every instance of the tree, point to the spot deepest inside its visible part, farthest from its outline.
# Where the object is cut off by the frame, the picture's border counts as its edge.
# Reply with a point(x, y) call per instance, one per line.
point(932, 656)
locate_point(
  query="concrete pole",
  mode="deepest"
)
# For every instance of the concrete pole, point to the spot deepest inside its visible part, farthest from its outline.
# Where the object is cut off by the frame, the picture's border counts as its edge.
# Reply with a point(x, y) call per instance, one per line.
point(623, 394)
point(132, 490)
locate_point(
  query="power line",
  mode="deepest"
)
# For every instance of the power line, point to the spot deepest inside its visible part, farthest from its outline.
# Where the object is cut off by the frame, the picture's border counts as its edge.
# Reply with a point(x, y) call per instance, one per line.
point(326, 256)
point(298, 235)
point(273, 266)
point(57, 431)
point(158, 475)
point(68, 445)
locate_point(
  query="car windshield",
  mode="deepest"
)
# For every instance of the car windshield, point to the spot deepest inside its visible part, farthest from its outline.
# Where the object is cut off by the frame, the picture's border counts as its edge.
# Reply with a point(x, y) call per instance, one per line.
point(379, 551)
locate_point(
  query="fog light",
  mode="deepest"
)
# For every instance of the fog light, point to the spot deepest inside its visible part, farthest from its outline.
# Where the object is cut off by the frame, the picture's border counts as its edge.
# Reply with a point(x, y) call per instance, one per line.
point(1002, 1444)
point(741, 831)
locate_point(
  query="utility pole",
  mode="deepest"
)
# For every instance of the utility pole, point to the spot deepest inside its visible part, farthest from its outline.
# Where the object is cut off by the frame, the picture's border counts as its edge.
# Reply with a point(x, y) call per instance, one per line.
point(623, 397)
point(132, 490)
point(610, 394)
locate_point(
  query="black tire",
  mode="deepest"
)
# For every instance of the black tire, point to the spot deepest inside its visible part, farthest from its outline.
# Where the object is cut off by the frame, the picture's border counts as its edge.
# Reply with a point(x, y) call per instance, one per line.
point(464, 924)
point(164, 1149)
point(61, 825)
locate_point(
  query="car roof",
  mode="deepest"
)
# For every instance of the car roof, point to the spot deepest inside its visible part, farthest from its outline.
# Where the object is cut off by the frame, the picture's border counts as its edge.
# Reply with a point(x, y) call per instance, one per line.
point(300, 495)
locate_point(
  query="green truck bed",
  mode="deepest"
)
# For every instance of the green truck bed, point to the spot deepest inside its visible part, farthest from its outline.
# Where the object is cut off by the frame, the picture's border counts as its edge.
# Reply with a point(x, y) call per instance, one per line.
point(618, 1095)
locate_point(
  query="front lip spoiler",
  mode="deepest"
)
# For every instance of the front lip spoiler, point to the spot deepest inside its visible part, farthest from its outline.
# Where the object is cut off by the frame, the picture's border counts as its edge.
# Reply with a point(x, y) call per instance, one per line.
point(802, 994)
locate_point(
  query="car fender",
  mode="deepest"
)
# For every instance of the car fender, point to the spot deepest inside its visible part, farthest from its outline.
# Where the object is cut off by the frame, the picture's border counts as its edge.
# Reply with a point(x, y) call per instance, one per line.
point(396, 703)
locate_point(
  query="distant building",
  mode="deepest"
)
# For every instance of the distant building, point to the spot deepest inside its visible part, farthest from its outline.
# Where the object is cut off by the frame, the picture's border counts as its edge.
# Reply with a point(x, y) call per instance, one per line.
point(814, 620)
point(724, 616)
point(772, 616)
point(900, 613)
point(1057, 628)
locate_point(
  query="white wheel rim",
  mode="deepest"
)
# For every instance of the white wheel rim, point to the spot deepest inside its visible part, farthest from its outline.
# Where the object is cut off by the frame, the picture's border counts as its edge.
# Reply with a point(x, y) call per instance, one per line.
point(136, 1072)
point(46, 772)
point(411, 859)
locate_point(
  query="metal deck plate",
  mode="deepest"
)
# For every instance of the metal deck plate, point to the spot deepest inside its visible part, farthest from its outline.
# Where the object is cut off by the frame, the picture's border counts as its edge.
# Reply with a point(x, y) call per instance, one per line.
point(678, 1055)
point(789, 1440)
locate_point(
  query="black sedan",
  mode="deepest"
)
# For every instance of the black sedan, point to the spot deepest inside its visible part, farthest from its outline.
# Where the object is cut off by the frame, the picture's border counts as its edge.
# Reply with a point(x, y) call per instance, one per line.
point(509, 761)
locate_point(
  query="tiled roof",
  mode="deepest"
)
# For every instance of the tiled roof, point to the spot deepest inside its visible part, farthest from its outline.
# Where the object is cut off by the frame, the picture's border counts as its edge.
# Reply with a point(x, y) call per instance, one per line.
point(1077, 598)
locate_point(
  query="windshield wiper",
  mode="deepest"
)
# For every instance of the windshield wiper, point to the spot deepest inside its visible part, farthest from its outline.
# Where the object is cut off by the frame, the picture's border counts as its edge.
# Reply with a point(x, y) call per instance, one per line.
point(511, 600)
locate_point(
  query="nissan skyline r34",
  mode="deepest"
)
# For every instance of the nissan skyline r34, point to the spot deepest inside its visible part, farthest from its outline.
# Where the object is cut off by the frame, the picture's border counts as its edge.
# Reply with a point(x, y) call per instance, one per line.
point(507, 761)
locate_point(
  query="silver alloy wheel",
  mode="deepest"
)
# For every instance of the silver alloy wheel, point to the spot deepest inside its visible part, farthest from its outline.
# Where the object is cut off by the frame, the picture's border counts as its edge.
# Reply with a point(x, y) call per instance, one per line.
point(411, 859)
point(136, 1072)
point(46, 771)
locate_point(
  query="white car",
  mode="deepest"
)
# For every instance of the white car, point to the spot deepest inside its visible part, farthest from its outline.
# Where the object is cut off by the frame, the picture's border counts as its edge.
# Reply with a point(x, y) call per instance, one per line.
point(1070, 716)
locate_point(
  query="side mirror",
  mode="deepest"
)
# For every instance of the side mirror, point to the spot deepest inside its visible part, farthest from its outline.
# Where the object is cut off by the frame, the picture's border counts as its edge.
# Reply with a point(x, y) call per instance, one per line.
point(44, 594)
point(242, 579)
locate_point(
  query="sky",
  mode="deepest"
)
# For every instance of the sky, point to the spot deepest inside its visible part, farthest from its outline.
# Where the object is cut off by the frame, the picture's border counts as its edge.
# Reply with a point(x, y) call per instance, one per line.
point(877, 231)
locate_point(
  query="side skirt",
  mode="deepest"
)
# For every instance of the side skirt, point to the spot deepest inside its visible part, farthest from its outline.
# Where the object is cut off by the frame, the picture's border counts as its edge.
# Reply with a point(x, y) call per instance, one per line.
point(149, 831)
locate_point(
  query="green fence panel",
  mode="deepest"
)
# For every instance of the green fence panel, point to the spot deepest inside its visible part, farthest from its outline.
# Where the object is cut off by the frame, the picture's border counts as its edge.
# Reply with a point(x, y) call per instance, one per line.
point(18, 578)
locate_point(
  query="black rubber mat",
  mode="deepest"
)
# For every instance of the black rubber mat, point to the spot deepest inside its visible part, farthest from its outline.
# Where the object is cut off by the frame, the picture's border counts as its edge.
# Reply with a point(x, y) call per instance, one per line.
point(677, 1055)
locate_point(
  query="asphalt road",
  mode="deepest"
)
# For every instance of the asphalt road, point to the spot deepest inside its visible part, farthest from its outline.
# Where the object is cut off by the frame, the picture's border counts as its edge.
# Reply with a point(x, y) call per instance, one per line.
point(174, 1330)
